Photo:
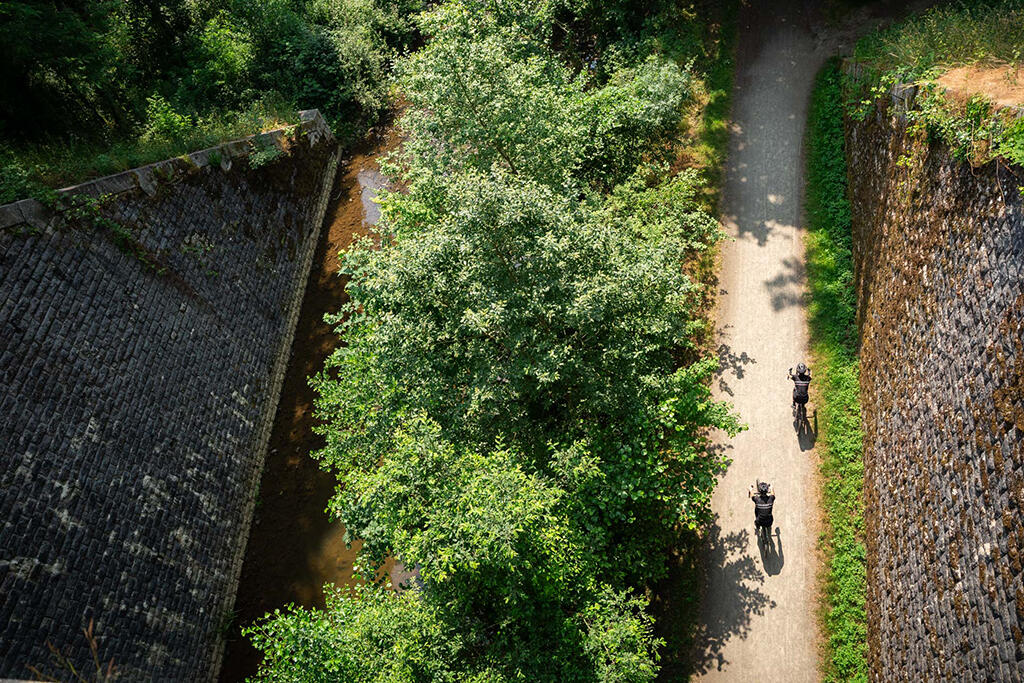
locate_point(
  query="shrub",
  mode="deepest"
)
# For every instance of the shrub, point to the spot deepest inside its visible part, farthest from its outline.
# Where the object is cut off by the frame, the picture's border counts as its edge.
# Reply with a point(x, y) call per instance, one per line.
point(165, 124)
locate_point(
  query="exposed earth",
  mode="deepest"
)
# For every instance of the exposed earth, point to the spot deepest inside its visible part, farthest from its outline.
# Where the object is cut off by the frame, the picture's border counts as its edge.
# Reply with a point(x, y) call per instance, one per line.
point(1003, 85)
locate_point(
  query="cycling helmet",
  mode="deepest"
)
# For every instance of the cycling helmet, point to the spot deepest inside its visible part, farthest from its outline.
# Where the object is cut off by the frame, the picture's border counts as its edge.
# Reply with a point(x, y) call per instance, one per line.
point(801, 369)
point(762, 488)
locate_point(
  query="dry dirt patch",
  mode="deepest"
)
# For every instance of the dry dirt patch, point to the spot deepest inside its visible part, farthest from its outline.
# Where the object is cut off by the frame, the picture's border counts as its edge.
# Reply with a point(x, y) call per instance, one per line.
point(1003, 84)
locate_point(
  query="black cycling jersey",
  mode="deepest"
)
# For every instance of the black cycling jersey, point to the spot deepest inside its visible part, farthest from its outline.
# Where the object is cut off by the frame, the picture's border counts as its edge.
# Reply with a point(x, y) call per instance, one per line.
point(763, 507)
point(800, 384)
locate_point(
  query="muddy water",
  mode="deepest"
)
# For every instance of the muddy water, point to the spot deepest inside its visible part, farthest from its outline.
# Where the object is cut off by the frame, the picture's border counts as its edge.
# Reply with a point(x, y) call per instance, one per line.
point(294, 549)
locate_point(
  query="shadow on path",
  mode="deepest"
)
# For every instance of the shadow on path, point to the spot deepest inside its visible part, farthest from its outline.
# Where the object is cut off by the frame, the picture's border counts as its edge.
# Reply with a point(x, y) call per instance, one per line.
point(806, 430)
point(772, 557)
point(729, 362)
point(786, 288)
point(741, 597)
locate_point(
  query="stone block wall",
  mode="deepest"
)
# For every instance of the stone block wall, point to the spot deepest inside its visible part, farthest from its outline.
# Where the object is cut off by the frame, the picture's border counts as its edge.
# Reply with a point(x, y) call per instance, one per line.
point(143, 343)
point(939, 253)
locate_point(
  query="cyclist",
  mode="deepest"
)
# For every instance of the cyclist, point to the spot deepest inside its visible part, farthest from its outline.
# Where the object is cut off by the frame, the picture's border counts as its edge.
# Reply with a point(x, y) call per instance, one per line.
point(801, 381)
point(763, 495)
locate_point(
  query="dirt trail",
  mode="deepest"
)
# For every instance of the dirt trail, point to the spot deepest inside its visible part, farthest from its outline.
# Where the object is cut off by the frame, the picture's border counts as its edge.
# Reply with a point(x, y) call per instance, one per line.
point(758, 615)
point(294, 548)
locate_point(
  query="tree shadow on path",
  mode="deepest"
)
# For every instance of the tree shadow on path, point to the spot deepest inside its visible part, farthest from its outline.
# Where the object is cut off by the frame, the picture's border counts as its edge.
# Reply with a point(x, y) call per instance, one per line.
point(730, 362)
point(733, 596)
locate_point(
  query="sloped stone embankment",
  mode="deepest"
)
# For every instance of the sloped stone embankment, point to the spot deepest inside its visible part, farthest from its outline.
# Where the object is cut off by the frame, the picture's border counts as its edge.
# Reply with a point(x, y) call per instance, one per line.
point(939, 249)
point(143, 346)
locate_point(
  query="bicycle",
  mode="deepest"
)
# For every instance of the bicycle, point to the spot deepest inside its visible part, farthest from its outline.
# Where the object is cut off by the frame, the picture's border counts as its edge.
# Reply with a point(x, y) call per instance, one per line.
point(762, 510)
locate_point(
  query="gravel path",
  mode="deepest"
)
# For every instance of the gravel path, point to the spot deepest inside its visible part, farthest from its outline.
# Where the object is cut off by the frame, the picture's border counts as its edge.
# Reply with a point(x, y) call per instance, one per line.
point(759, 619)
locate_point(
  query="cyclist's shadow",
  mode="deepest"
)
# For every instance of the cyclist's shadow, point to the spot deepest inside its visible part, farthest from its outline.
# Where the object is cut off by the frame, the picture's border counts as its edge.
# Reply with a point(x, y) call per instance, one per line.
point(772, 557)
point(806, 429)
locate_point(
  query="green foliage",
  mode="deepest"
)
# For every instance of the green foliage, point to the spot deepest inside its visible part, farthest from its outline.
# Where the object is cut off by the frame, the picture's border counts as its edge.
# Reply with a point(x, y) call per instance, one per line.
point(519, 409)
point(504, 574)
point(834, 344)
point(506, 310)
point(163, 123)
point(374, 635)
point(966, 32)
point(986, 32)
point(367, 634)
point(54, 64)
point(99, 85)
point(492, 94)
point(1010, 144)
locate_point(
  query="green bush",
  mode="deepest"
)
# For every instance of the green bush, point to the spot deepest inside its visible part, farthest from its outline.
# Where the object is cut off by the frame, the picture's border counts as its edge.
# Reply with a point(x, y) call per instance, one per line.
point(163, 123)
point(834, 346)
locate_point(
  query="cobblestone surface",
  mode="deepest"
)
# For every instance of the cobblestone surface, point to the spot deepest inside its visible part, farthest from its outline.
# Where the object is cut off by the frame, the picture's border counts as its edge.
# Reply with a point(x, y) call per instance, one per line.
point(137, 391)
point(939, 249)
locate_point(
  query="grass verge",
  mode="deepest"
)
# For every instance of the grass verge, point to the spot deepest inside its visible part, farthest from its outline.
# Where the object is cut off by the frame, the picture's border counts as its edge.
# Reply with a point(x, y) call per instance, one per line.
point(33, 169)
point(834, 349)
point(980, 33)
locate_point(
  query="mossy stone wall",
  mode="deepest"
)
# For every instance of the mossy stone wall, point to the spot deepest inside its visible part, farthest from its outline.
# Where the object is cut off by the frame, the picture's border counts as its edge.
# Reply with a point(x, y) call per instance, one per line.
point(939, 254)
point(144, 341)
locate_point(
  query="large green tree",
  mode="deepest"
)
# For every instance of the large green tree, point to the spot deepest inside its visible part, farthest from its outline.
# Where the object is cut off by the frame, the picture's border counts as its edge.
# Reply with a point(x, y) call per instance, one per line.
point(507, 591)
point(519, 409)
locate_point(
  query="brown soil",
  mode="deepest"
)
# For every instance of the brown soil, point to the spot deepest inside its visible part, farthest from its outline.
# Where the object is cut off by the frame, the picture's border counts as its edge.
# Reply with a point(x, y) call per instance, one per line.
point(294, 548)
point(1003, 85)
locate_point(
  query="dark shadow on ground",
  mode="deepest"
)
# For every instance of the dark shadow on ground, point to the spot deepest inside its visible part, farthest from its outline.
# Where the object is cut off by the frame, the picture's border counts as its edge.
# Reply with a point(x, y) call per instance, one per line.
point(787, 287)
point(728, 555)
point(729, 362)
point(806, 430)
point(772, 557)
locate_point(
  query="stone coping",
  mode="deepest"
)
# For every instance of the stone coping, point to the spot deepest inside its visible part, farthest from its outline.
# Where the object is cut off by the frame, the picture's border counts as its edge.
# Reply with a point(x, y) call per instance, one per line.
point(147, 178)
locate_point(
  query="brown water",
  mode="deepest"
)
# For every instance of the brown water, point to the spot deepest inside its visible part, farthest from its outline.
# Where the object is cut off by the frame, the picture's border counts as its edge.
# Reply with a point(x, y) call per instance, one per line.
point(294, 548)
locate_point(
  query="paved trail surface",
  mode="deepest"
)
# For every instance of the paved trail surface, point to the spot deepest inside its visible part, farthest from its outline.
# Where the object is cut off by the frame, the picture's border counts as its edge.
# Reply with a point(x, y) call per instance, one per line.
point(759, 607)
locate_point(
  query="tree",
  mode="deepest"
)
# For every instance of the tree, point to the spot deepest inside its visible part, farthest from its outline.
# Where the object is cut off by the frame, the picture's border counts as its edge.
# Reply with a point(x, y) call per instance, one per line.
point(519, 408)
point(506, 590)
point(484, 94)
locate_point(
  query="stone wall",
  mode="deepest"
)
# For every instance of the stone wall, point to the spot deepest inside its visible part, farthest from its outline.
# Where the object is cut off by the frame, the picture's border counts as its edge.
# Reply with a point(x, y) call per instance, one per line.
point(144, 341)
point(939, 251)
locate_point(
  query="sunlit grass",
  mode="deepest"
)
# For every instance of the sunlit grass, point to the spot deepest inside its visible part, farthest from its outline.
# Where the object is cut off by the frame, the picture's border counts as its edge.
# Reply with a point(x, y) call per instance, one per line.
point(834, 348)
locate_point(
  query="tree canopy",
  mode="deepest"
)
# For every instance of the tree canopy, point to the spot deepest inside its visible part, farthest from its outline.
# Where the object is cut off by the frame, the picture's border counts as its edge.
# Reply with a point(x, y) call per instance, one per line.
point(518, 409)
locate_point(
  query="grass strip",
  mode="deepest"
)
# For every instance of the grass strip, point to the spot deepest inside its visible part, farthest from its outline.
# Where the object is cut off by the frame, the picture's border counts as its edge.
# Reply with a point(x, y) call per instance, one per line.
point(834, 349)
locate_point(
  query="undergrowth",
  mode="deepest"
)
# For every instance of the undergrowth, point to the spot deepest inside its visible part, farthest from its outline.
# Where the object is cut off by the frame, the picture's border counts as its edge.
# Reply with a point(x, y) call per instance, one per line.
point(834, 348)
point(922, 48)
point(31, 170)
point(969, 32)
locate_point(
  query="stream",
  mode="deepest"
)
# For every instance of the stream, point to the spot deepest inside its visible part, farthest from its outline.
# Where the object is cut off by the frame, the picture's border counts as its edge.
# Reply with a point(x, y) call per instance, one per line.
point(294, 548)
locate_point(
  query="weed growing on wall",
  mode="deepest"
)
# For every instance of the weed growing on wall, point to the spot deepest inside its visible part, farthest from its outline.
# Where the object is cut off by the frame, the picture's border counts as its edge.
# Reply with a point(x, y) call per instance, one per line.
point(980, 32)
point(834, 346)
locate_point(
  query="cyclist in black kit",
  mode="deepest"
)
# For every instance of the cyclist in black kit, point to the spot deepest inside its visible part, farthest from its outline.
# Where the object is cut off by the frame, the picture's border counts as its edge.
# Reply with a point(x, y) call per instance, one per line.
point(801, 381)
point(764, 498)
